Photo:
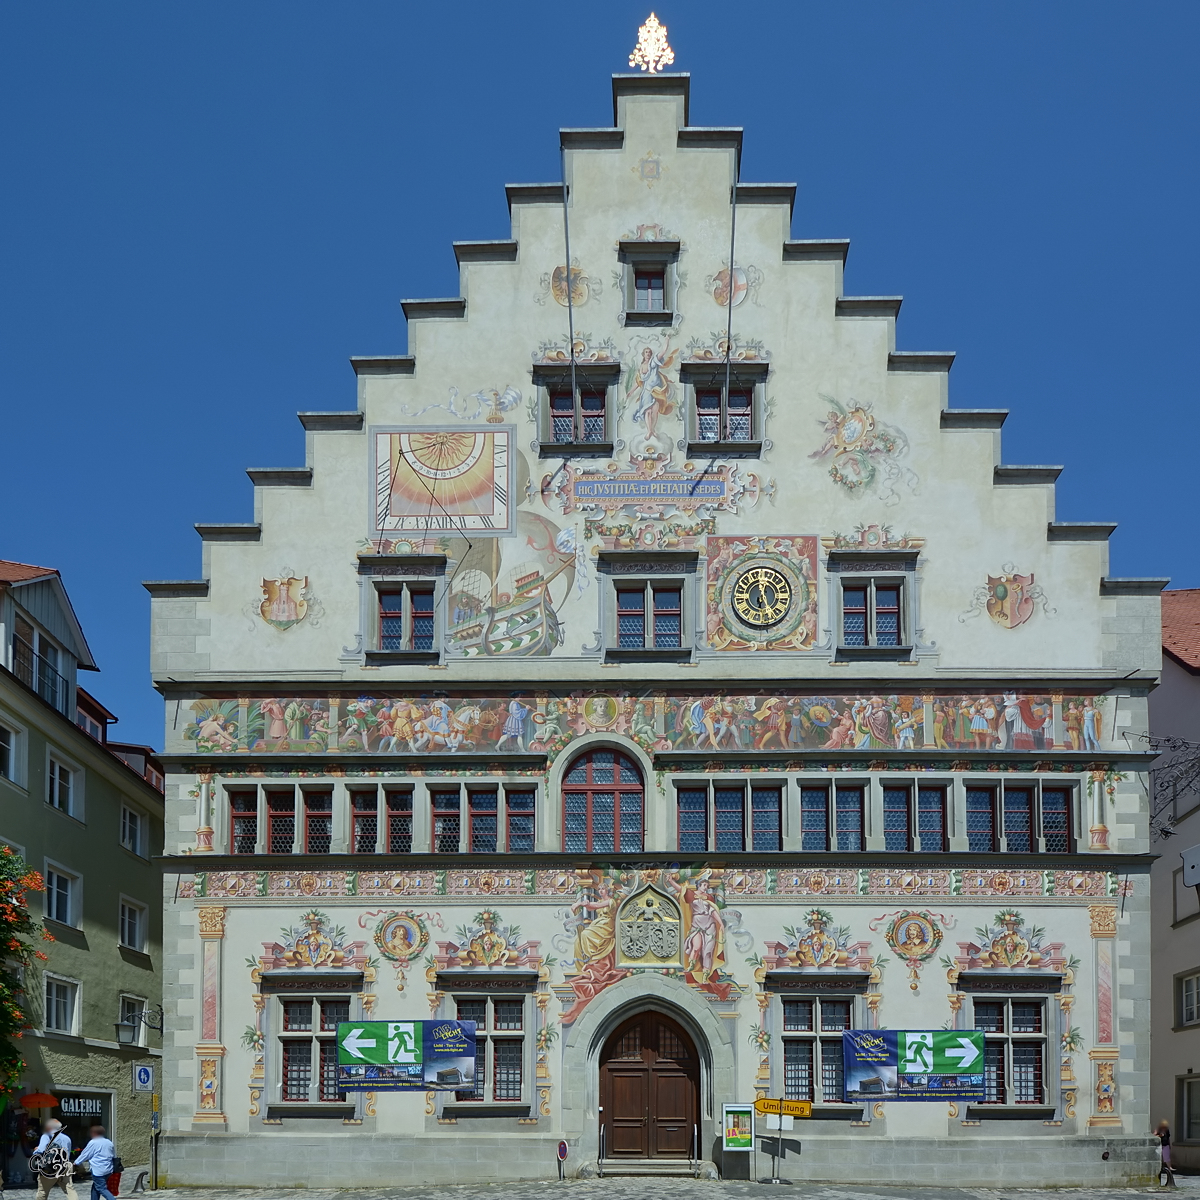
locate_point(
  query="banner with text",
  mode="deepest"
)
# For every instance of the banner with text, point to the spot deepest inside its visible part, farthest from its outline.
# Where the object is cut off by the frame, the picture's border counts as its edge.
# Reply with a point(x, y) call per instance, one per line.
point(907, 1064)
point(389, 1056)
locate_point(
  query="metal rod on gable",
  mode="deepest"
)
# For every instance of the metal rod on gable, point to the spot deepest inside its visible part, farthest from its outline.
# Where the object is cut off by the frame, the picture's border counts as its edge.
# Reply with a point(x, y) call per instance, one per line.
point(562, 155)
point(729, 295)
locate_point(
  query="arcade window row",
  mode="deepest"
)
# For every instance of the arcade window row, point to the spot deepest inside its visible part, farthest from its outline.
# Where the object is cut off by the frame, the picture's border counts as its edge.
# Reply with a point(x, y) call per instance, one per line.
point(602, 809)
point(655, 615)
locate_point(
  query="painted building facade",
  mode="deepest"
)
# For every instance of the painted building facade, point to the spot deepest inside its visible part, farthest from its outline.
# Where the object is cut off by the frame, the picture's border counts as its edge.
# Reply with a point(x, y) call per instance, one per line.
point(655, 669)
point(1175, 723)
point(89, 822)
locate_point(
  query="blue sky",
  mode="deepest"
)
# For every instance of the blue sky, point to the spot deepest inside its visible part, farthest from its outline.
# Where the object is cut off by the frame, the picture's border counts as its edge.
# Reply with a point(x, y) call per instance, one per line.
point(207, 208)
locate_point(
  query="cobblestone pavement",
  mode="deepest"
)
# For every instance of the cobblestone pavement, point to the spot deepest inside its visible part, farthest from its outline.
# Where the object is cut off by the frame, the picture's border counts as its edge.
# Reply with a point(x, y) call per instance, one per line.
point(637, 1188)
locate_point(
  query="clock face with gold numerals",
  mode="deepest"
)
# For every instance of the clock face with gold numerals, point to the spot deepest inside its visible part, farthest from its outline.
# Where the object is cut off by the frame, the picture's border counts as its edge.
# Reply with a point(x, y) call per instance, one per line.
point(762, 596)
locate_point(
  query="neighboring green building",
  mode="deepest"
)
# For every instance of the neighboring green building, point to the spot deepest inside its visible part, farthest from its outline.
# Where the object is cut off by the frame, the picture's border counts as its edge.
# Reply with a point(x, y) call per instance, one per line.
point(88, 814)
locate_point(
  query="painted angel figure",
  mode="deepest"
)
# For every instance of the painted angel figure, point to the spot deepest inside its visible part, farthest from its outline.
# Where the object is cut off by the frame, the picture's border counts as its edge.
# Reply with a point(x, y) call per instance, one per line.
point(650, 389)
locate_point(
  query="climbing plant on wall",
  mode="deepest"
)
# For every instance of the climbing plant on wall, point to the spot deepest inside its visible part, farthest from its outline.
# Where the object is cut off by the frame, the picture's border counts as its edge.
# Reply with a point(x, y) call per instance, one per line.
point(18, 929)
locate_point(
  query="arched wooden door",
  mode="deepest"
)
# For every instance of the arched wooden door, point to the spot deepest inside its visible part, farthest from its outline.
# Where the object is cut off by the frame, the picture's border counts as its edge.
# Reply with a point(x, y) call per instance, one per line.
point(649, 1089)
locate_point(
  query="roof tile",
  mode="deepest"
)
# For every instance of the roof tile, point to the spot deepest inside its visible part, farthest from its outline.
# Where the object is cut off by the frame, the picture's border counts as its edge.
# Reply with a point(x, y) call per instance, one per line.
point(15, 572)
point(1181, 625)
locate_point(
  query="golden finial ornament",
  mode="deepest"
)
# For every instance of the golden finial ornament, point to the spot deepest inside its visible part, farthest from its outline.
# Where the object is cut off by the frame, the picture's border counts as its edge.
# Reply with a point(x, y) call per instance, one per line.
point(652, 53)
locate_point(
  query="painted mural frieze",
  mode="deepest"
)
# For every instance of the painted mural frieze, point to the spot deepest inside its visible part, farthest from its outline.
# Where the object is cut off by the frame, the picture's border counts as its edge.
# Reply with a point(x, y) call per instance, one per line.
point(1009, 598)
point(762, 595)
point(865, 454)
point(754, 884)
point(547, 723)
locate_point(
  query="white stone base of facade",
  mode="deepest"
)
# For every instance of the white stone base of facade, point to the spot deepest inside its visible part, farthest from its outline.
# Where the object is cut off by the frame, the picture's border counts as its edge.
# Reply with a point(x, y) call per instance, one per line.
point(378, 1160)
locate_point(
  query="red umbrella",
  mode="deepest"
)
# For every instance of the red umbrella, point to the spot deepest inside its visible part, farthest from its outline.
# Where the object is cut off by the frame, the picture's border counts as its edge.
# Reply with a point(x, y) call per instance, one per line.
point(39, 1100)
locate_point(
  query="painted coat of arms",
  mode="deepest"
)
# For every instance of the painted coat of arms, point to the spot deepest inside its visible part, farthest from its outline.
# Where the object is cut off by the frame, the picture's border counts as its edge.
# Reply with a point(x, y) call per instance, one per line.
point(1010, 599)
point(285, 601)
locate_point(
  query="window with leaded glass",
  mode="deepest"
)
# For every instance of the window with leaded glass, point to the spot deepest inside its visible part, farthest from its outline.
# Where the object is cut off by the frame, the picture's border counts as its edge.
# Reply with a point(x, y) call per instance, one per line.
point(579, 417)
point(1018, 820)
point(723, 809)
point(243, 822)
point(499, 1048)
point(519, 814)
point(447, 821)
point(602, 795)
point(400, 820)
point(1056, 820)
point(308, 1048)
point(649, 616)
point(872, 613)
point(1014, 1049)
point(812, 1047)
point(364, 820)
point(281, 822)
point(483, 817)
point(981, 820)
point(318, 822)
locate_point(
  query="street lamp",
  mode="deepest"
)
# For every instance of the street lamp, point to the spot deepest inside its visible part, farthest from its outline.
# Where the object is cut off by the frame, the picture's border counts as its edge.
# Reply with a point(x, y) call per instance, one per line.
point(127, 1030)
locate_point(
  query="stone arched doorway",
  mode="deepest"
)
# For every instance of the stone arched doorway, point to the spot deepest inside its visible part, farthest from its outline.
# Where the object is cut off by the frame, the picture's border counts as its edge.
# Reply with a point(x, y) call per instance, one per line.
point(649, 1090)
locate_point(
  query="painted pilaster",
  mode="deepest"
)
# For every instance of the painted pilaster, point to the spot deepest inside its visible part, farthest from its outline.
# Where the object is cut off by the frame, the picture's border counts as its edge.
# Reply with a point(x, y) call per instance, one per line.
point(1098, 830)
point(210, 1050)
point(1056, 723)
point(204, 827)
point(928, 735)
point(1105, 1053)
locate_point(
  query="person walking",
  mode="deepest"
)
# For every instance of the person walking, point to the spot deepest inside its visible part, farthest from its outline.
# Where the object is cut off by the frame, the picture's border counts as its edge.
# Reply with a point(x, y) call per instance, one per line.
point(99, 1154)
point(54, 1138)
point(1163, 1133)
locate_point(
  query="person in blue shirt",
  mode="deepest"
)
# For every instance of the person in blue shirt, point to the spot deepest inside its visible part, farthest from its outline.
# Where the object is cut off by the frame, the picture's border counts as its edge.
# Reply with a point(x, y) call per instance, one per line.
point(54, 1136)
point(98, 1154)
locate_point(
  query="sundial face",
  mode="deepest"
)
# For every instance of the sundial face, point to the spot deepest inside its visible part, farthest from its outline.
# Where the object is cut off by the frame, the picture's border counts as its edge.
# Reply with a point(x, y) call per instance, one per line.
point(762, 596)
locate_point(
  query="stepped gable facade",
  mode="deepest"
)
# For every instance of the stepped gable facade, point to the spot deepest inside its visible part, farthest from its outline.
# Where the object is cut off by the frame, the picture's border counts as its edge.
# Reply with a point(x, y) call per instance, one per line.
point(656, 669)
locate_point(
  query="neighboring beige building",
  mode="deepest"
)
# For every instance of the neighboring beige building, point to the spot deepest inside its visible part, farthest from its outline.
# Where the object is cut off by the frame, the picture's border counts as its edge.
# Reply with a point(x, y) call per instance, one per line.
point(667, 712)
point(87, 813)
point(1175, 953)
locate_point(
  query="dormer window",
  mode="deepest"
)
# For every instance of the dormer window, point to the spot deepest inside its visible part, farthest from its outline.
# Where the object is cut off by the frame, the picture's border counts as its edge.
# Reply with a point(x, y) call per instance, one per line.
point(651, 281)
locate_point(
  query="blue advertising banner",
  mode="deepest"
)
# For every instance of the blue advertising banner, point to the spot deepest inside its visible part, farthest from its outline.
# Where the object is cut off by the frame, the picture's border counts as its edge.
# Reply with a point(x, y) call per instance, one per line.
point(391, 1056)
point(913, 1064)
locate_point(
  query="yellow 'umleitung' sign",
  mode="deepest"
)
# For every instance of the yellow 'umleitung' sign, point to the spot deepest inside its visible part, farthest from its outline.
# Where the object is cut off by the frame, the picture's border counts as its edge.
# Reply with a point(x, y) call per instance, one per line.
point(784, 1108)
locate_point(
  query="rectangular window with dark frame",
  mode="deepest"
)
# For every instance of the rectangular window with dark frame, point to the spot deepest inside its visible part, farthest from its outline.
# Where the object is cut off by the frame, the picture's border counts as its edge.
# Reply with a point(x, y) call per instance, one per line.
point(281, 822)
point(579, 417)
point(849, 802)
point(483, 820)
point(872, 613)
point(243, 822)
point(897, 823)
point(364, 820)
point(8, 747)
point(519, 814)
point(406, 618)
point(1056, 820)
point(814, 818)
point(649, 289)
point(692, 815)
point(812, 1060)
point(723, 416)
point(400, 821)
point(318, 822)
point(499, 1048)
point(308, 1055)
point(766, 813)
point(60, 788)
point(650, 616)
point(447, 821)
point(931, 818)
point(729, 819)
point(981, 820)
point(1018, 820)
point(1014, 1050)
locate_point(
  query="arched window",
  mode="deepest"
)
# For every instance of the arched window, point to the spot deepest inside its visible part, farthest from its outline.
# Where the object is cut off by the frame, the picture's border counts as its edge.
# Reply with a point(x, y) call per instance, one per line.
point(602, 804)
